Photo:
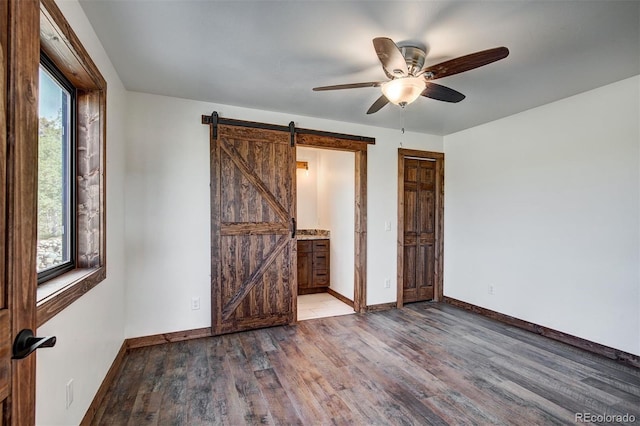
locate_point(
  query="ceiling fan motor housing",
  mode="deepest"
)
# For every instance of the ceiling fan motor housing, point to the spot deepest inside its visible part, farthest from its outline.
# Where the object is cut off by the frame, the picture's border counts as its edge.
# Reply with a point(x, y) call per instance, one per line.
point(415, 57)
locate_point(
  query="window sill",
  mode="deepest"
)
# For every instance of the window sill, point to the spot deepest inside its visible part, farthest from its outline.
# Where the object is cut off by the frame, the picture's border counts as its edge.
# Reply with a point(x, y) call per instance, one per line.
point(60, 292)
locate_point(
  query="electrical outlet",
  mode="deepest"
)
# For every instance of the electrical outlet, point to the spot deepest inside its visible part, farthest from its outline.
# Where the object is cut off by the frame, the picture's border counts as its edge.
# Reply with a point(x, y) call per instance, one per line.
point(195, 303)
point(69, 393)
point(387, 283)
point(490, 289)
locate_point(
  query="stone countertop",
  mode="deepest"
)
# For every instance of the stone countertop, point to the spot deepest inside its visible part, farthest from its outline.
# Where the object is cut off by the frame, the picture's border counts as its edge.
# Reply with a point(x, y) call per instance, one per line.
point(311, 237)
point(312, 234)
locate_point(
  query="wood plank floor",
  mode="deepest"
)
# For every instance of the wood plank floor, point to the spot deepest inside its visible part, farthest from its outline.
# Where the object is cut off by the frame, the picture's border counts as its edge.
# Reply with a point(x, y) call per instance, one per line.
point(424, 364)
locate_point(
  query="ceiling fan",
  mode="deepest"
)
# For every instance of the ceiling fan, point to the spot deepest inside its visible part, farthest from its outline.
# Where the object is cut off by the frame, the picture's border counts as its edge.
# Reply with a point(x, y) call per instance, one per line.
point(408, 78)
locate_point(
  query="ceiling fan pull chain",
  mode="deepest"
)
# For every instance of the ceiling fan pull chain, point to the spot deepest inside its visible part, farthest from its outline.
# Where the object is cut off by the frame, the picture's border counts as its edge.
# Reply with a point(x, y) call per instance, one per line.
point(401, 127)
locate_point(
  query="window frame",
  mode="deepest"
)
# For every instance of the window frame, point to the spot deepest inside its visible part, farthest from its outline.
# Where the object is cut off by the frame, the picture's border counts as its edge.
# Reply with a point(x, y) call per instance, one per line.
point(64, 49)
point(71, 200)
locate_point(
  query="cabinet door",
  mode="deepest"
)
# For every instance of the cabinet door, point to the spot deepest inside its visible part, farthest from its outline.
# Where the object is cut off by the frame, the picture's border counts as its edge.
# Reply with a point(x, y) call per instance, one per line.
point(304, 270)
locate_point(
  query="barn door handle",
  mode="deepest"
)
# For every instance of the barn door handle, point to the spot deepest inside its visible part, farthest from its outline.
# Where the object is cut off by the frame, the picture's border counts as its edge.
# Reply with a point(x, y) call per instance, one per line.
point(294, 227)
point(26, 343)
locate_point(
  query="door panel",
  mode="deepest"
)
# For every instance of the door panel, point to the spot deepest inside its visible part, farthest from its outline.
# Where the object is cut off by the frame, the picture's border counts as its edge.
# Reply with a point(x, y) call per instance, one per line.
point(426, 212)
point(253, 252)
point(410, 205)
point(20, 57)
point(5, 315)
point(419, 230)
point(409, 272)
point(425, 261)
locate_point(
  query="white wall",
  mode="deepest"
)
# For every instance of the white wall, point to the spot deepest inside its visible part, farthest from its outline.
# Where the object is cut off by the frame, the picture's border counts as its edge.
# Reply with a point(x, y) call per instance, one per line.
point(91, 330)
point(544, 207)
point(336, 212)
point(167, 197)
point(307, 189)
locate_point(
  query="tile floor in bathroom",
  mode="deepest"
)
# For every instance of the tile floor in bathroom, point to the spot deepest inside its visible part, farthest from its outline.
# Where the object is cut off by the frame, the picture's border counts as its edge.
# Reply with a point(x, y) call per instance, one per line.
point(321, 305)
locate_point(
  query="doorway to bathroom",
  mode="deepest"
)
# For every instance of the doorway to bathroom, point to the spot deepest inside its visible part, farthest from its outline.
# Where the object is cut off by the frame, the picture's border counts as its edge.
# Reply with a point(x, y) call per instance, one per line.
point(357, 147)
point(326, 229)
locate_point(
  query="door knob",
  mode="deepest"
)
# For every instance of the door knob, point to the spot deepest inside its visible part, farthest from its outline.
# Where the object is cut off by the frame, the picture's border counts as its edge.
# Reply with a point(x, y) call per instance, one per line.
point(26, 343)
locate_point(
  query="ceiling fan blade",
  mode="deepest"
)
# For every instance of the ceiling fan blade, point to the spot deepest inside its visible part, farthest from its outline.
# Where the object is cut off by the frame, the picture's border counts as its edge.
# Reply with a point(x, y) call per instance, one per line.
point(377, 105)
point(348, 86)
point(467, 62)
point(390, 56)
point(442, 93)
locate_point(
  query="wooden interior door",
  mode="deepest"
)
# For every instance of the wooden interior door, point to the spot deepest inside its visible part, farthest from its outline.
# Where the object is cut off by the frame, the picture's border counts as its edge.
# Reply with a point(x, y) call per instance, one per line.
point(5, 313)
point(19, 56)
point(253, 251)
point(419, 229)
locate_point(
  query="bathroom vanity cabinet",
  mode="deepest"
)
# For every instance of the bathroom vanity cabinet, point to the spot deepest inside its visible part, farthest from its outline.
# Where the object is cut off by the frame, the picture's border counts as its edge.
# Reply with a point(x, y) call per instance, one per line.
point(313, 266)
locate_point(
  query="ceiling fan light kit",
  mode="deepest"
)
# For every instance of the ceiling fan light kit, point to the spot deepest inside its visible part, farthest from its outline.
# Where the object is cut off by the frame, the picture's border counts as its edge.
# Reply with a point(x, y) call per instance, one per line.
point(403, 91)
point(409, 78)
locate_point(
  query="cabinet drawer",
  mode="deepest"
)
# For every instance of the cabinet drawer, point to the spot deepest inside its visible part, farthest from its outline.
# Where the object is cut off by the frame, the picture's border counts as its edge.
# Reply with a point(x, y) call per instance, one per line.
point(320, 260)
point(320, 278)
point(305, 246)
point(321, 245)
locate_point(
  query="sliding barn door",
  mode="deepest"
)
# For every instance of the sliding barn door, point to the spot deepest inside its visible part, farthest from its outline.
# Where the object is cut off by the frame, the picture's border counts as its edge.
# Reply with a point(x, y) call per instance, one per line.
point(252, 211)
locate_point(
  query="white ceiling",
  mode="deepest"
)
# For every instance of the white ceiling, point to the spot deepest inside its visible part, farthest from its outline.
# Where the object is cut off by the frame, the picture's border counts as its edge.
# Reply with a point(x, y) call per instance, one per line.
point(269, 54)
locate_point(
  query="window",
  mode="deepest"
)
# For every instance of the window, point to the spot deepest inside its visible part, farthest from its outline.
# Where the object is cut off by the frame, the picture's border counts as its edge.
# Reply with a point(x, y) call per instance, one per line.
point(56, 173)
point(73, 85)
